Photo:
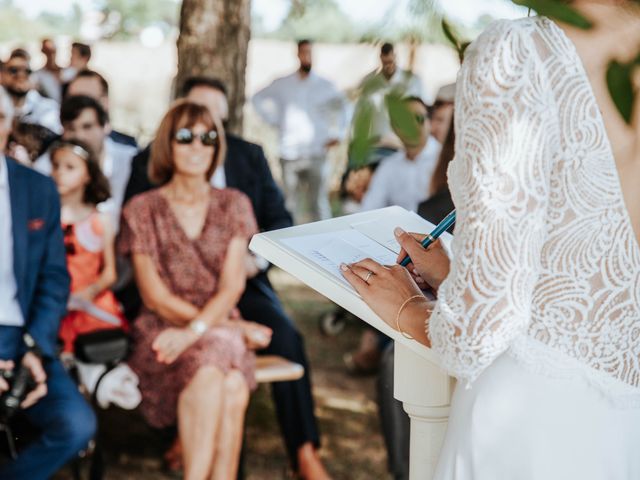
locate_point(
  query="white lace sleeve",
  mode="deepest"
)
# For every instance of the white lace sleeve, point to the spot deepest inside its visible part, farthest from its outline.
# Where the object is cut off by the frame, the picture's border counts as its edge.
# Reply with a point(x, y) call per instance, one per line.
point(499, 182)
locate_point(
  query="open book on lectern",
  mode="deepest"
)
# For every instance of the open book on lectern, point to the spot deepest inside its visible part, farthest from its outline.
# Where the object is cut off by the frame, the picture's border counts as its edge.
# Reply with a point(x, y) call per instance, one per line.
point(313, 253)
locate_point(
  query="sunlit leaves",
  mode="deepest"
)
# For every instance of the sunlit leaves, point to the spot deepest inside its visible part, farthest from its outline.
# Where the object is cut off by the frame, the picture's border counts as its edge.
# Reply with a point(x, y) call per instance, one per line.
point(620, 84)
point(559, 10)
point(459, 45)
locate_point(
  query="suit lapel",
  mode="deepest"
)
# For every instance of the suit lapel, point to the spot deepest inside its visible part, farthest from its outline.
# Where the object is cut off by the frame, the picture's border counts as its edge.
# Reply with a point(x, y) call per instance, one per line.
point(230, 173)
point(19, 213)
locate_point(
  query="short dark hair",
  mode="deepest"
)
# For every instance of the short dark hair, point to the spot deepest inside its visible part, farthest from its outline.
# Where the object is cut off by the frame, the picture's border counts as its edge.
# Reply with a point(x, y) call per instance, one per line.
point(87, 73)
point(83, 49)
point(98, 189)
point(19, 53)
point(73, 106)
point(386, 49)
point(303, 42)
point(415, 98)
point(203, 81)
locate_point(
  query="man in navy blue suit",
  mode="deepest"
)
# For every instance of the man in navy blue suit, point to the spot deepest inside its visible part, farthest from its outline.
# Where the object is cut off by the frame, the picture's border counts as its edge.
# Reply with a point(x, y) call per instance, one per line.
point(34, 285)
point(246, 169)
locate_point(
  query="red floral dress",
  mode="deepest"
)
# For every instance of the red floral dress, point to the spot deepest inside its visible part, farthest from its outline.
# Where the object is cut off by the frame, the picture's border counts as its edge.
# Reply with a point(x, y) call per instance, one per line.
point(190, 268)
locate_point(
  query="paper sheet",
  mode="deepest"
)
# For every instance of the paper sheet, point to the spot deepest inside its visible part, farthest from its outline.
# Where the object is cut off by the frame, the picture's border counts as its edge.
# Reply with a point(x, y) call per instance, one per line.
point(329, 250)
point(381, 231)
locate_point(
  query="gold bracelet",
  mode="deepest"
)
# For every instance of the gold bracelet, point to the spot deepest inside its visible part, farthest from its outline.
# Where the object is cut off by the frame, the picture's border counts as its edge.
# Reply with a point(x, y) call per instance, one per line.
point(406, 302)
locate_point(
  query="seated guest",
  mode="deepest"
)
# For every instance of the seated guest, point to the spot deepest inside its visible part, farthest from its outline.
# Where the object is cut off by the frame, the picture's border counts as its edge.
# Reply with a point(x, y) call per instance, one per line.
point(246, 169)
point(84, 119)
point(439, 203)
point(34, 285)
point(89, 242)
point(94, 85)
point(188, 243)
point(28, 104)
point(442, 112)
point(394, 420)
point(403, 178)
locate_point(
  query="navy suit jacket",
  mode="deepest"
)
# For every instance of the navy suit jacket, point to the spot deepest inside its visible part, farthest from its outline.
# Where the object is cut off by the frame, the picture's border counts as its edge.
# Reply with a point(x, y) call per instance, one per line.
point(39, 261)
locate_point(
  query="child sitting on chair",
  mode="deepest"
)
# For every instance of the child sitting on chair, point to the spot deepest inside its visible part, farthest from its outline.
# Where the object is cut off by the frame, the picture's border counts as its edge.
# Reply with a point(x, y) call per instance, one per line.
point(89, 241)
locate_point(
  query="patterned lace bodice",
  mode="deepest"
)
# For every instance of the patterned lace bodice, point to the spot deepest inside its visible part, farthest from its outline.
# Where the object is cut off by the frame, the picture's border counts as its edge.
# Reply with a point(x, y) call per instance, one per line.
point(545, 260)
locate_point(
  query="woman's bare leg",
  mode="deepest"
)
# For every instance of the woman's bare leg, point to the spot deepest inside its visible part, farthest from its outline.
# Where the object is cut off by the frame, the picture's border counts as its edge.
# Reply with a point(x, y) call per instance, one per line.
point(229, 439)
point(199, 406)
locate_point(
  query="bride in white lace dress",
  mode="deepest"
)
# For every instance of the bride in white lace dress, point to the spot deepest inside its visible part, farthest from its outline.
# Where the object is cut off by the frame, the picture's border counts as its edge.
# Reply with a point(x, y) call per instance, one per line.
point(539, 314)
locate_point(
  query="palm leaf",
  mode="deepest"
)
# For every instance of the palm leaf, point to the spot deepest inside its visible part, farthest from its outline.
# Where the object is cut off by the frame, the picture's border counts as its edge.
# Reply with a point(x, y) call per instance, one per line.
point(620, 83)
point(557, 10)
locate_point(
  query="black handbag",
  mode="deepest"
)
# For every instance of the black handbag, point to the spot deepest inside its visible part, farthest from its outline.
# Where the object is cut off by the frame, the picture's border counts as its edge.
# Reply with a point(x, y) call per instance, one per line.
point(109, 346)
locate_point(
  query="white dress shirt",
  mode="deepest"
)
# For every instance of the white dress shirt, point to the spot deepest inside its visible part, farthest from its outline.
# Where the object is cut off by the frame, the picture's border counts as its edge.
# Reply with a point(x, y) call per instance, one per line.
point(10, 313)
point(219, 178)
point(40, 110)
point(307, 112)
point(48, 83)
point(116, 166)
point(401, 181)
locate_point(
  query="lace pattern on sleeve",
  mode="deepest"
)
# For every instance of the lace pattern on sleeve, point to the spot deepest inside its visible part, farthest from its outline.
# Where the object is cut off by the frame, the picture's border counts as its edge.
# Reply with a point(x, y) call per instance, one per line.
point(500, 189)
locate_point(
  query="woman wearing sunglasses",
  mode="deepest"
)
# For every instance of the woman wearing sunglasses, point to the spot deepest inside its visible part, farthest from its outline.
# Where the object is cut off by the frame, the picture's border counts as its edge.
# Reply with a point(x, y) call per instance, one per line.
point(188, 244)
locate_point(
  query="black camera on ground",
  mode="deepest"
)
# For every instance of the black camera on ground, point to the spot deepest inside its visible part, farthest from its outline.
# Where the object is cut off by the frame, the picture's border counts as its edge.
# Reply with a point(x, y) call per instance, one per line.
point(20, 382)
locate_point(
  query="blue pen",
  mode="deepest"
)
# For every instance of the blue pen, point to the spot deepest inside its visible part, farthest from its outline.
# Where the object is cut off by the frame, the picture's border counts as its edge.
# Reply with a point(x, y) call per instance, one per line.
point(433, 236)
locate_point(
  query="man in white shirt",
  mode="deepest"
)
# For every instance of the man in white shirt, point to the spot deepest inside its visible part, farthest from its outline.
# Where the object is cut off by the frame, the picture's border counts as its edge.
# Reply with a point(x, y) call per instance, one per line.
point(28, 104)
point(47, 80)
point(374, 89)
point(84, 119)
point(403, 178)
point(310, 115)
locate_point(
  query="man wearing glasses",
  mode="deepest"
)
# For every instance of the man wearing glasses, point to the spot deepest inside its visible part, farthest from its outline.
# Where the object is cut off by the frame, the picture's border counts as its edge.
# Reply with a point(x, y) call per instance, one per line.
point(29, 105)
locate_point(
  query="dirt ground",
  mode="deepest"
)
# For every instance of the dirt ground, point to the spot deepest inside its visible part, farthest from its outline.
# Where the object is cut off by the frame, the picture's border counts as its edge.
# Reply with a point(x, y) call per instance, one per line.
point(345, 406)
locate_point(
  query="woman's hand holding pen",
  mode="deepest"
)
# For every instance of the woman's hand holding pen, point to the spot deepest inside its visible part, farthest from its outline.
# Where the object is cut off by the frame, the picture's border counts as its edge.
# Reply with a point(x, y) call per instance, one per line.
point(429, 266)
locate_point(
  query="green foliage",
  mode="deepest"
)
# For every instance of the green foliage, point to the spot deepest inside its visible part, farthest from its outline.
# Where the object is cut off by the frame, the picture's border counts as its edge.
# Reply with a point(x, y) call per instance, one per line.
point(402, 118)
point(620, 84)
point(361, 141)
point(558, 10)
point(459, 45)
point(126, 18)
point(320, 20)
point(16, 26)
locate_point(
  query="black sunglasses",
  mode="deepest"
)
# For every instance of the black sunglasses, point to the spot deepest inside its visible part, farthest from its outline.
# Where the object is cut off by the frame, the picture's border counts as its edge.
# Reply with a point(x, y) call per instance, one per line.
point(184, 136)
point(16, 70)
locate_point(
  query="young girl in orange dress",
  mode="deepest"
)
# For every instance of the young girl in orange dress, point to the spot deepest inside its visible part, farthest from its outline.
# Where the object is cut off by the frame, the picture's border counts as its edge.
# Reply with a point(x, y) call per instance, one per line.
point(89, 241)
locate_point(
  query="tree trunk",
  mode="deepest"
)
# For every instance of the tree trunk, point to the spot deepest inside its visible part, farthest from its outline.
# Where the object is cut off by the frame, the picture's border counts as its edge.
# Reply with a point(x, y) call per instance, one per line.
point(213, 41)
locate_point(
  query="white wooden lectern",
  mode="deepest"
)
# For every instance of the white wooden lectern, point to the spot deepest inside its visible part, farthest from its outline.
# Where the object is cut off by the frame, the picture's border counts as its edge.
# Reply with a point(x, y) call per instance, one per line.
point(420, 384)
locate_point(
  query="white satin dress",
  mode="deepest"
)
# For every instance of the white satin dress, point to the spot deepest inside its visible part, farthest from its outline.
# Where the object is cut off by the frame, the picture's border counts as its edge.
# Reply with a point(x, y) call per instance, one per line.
point(539, 318)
